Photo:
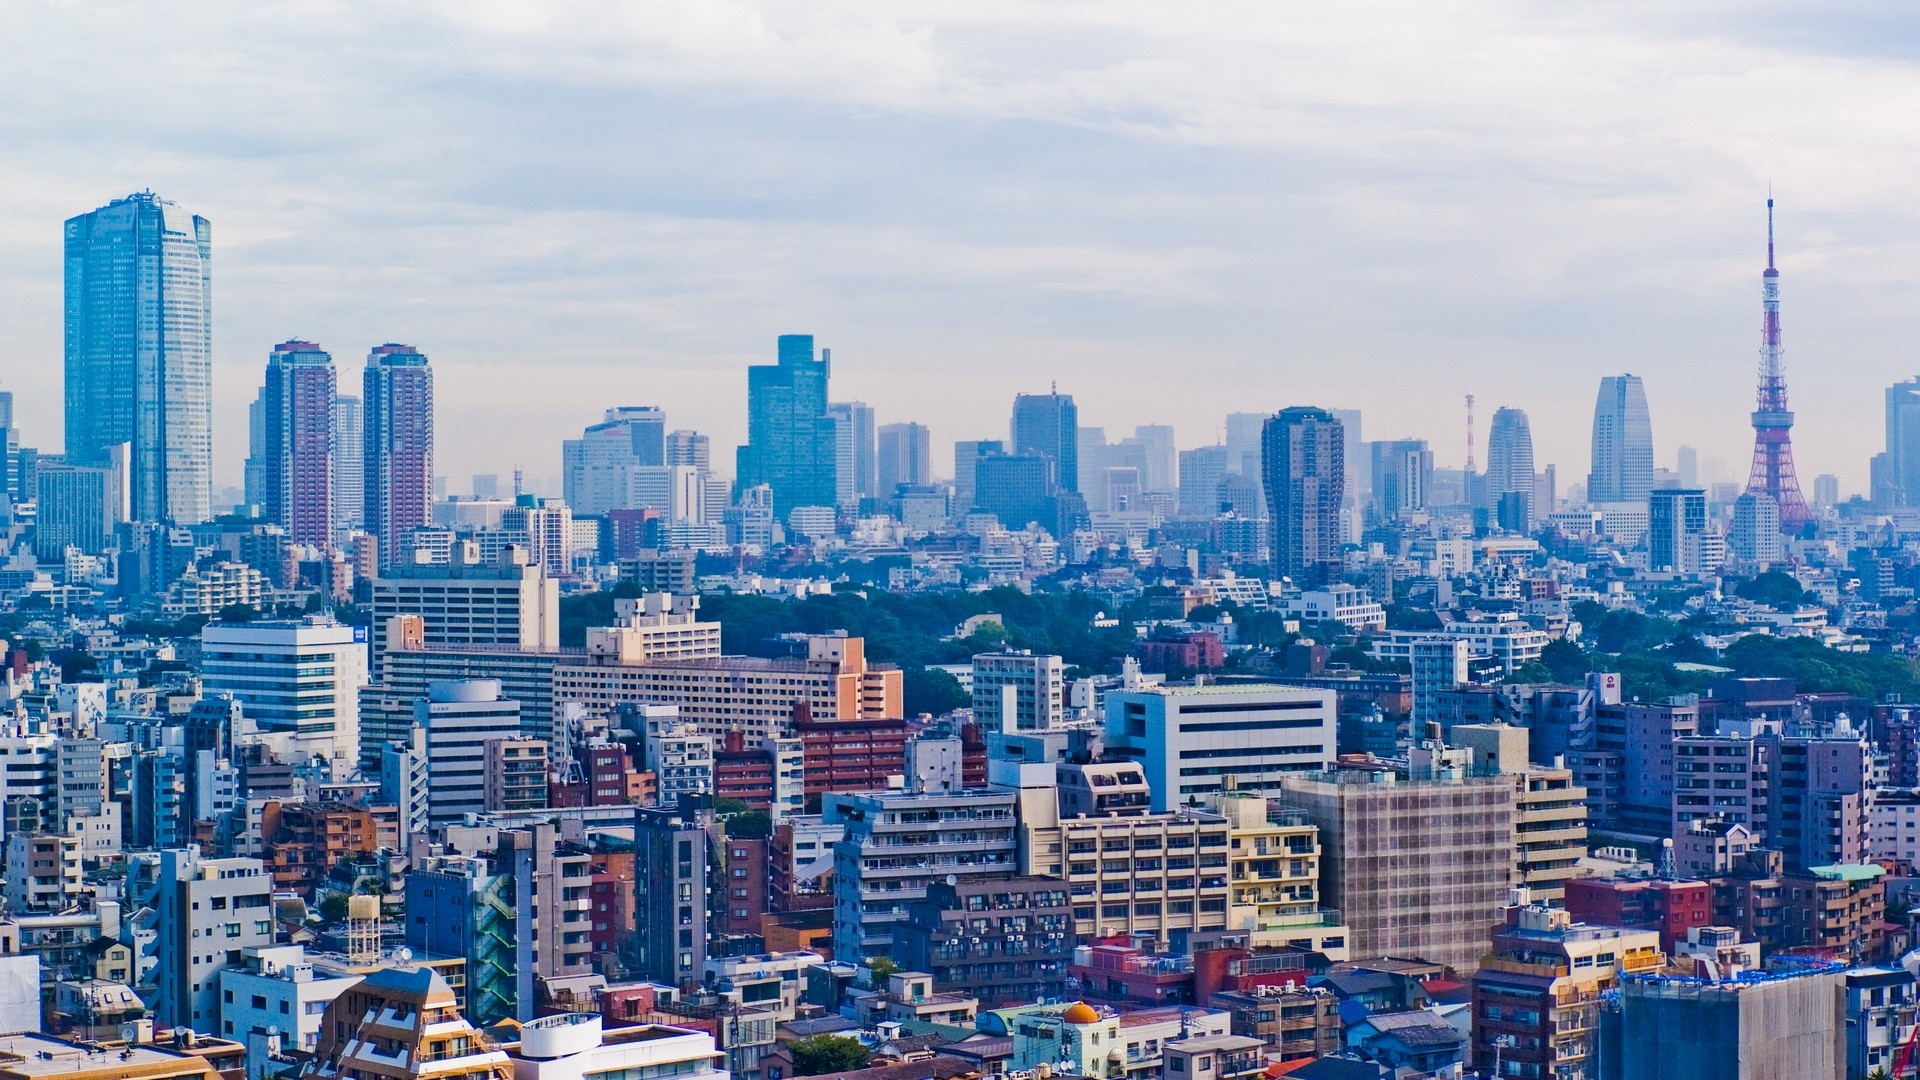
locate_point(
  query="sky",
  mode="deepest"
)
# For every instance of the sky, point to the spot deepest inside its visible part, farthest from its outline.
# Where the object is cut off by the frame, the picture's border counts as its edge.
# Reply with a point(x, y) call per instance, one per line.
point(1170, 211)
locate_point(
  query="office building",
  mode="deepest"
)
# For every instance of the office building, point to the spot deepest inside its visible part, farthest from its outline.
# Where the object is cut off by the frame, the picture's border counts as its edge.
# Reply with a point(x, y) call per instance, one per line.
point(1157, 878)
point(510, 602)
point(1016, 488)
point(673, 850)
point(1402, 471)
point(953, 837)
point(1897, 471)
point(689, 448)
point(1754, 539)
point(274, 999)
point(139, 351)
point(905, 456)
point(965, 454)
point(754, 695)
point(296, 414)
point(1510, 465)
point(598, 470)
point(792, 439)
point(1419, 868)
point(1303, 454)
point(206, 911)
point(298, 681)
point(1048, 426)
point(397, 446)
point(854, 453)
point(80, 506)
point(349, 463)
point(1676, 520)
point(1018, 691)
point(1622, 443)
point(1201, 470)
point(1193, 739)
point(460, 719)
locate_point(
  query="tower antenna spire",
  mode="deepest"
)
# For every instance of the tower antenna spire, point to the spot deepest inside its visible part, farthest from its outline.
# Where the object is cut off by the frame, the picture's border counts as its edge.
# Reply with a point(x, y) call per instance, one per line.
point(1773, 473)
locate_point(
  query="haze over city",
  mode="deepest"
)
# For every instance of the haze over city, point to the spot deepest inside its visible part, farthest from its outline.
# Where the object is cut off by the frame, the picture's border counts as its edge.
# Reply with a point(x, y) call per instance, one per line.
point(1171, 214)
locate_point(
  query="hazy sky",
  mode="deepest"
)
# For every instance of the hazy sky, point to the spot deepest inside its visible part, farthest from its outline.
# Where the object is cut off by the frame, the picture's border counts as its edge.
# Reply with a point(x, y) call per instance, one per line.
point(1174, 210)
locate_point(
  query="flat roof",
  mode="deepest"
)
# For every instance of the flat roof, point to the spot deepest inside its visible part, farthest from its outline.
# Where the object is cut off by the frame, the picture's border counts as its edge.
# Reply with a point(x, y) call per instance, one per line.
point(45, 1055)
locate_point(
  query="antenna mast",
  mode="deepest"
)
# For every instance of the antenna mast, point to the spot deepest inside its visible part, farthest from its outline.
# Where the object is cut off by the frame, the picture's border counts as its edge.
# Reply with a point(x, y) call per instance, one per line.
point(1470, 465)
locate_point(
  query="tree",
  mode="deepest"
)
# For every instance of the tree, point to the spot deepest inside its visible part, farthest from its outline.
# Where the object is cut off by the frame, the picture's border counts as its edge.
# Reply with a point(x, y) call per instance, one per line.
point(1567, 661)
point(930, 690)
point(1772, 588)
point(238, 613)
point(879, 970)
point(723, 808)
point(333, 907)
point(821, 1055)
point(750, 825)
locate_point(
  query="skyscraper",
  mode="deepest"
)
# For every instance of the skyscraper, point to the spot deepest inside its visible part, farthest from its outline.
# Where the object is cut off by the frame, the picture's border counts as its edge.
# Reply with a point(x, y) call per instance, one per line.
point(349, 462)
point(1622, 442)
point(1674, 515)
point(965, 453)
point(689, 448)
point(1402, 477)
point(1201, 470)
point(295, 412)
point(1900, 472)
point(598, 469)
point(398, 445)
point(139, 350)
point(792, 441)
point(905, 452)
point(1510, 461)
point(854, 451)
point(1773, 473)
point(1048, 426)
point(1303, 461)
point(1755, 536)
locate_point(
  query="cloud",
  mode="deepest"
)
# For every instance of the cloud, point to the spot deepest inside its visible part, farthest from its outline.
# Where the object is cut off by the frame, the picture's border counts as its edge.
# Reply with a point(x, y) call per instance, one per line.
point(1175, 212)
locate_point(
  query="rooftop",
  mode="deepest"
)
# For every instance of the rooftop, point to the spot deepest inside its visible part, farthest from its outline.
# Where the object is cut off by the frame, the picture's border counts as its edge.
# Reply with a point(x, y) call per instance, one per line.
point(35, 1054)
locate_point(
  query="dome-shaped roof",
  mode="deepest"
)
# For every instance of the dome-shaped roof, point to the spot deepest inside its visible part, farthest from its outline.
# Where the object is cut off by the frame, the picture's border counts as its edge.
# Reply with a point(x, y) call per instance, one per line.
point(1080, 1013)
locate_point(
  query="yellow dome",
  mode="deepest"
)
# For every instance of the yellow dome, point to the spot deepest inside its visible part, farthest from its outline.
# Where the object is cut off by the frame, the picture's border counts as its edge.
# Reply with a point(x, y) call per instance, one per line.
point(1080, 1013)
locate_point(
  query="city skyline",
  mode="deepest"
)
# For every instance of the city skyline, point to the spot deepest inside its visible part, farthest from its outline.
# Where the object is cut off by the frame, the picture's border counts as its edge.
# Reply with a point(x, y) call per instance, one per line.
point(1626, 244)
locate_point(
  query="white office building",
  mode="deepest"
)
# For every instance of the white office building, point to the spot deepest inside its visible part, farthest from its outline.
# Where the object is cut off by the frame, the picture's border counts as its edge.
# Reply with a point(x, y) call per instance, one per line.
point(275, 1002)
point(1344, 604)
point(459, 717)
point(510, 602)
point(298, 682)
point(1190, 739)
point(1019, 691)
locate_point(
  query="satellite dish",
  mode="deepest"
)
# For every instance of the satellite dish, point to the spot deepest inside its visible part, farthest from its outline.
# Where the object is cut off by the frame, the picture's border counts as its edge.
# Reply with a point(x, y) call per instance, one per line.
point(403, 954)
point(953, 879)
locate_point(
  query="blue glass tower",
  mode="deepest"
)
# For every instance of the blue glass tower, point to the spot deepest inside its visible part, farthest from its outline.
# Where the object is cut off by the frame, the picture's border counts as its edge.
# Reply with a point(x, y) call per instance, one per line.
point(139, 351)
point(792, 439)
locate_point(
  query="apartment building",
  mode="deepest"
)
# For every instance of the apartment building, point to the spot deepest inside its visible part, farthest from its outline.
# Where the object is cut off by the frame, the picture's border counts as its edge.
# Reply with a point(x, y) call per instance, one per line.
point(509, 602)
point(897, 843)
point(400, 1023)
point(1536, 996)
point(1273, 874)
point(206, 912)
point(1003, 939)
point(753, 695)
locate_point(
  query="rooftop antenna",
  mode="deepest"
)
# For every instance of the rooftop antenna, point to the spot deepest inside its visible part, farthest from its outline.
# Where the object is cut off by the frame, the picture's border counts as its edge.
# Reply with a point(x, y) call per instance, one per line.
point(519, 482)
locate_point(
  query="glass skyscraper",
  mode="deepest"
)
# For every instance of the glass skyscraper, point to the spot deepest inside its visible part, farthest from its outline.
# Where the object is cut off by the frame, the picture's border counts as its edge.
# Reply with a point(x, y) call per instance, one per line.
point(397, 446)
point(296, 416)
point(1622, 442)
point(1049, 425)
point(139, 348)
point(793, 442)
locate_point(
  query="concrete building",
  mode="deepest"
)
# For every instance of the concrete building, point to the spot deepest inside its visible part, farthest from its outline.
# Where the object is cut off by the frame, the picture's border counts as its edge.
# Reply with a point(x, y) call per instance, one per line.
point(1190, 739)
point(1102, 1043)
point(516, 774)
point(1303, 469)
point(1417, 868)
point(573, 1046)
point(43, 872)
point(206, 912)
point(1018, 691)
point(509, 603)
point(749, 694)
point(897, 843)
point(1788, 1023)
point(401, 1023)
point(1536, 995)
point(273, 1000)
point(1003, 939)
point(653, 628)
point(299, 683)
point(460, 719)
point(1273, 877)
point(673, 849)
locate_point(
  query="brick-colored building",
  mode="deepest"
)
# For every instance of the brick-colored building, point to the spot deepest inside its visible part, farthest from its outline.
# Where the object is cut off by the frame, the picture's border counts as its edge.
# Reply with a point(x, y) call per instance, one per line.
point(1670, 907)
point(301, 842)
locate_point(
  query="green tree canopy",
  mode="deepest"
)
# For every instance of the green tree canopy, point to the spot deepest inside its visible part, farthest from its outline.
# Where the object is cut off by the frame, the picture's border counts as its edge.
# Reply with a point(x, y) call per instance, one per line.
point(822, 1055)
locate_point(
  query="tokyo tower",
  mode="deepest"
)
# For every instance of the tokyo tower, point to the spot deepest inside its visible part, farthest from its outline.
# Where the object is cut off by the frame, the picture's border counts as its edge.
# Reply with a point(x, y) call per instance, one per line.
point(1772, 420)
